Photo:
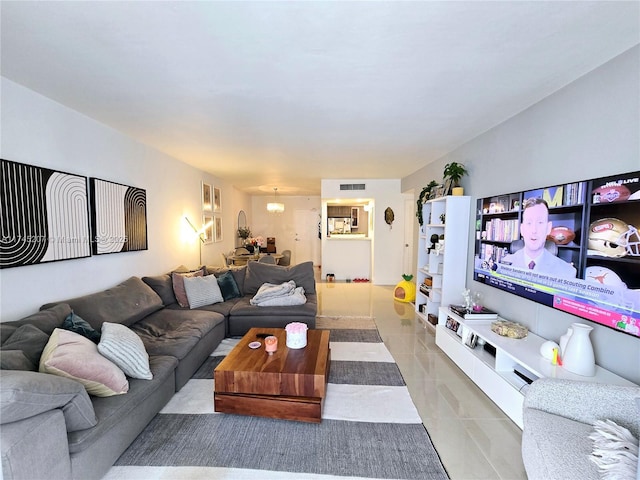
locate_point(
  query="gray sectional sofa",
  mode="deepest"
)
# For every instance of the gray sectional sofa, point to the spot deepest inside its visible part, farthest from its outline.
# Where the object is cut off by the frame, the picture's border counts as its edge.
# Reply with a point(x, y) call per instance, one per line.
point(50, 427)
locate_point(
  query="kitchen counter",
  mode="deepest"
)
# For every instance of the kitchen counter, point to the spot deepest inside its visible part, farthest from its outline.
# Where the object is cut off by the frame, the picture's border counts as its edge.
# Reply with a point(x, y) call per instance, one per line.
point(347, 236)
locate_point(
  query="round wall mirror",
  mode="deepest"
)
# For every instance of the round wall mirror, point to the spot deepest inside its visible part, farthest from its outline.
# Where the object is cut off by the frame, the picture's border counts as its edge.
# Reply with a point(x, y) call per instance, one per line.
point(242, 219)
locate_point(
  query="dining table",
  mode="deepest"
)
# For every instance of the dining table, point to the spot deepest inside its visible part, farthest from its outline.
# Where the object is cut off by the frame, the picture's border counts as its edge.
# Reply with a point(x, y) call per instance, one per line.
point(244, 258)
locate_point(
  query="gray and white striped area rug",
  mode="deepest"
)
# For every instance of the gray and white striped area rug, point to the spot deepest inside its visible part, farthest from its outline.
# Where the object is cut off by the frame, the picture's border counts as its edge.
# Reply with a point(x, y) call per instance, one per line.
point(370, 429)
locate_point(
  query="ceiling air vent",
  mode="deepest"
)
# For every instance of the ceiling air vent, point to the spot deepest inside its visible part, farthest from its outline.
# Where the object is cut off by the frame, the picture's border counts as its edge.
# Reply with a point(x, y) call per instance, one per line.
point(352, 186)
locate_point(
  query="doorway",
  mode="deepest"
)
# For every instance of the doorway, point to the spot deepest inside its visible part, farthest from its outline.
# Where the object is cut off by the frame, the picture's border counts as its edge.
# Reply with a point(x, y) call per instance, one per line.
point(306, 241)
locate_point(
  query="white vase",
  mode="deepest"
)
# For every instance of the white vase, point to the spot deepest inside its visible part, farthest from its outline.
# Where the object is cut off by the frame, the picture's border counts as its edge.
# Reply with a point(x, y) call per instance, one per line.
point(579, 357)
point(564, 339)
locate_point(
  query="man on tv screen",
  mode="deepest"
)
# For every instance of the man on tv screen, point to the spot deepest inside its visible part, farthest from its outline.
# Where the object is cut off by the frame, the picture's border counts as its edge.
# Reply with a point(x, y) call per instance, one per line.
point(534, 230)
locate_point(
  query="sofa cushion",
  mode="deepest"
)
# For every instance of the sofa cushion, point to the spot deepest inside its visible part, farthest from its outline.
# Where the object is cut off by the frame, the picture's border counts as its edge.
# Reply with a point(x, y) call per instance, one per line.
point(202, 291)
point(259, 273)
point(243, 308)
point(47, 319)
point(124, 348)
point(15, 360)
point(175, 331)
point(238, 272)
point(23, 348)
point(228, 286)
point(112, 411)
point(71, 355)
point(163, 286)
point(125, 303)
point(77, 324)
point(27, 394)
point(178, 286)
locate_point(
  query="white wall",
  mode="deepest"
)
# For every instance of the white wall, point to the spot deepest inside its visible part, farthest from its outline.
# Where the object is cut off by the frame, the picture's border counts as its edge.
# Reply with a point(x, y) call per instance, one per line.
point(588, 129)
point(282, 226)
point(387, 242)
point(41, 132)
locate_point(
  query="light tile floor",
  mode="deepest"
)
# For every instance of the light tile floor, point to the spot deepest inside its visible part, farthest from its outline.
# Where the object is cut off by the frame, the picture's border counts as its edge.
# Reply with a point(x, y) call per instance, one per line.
point(474, 438)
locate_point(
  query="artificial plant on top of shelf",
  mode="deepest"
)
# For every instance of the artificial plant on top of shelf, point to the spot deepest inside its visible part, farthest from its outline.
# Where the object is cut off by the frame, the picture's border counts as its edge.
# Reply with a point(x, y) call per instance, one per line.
point(424, 195)
point(454, 171)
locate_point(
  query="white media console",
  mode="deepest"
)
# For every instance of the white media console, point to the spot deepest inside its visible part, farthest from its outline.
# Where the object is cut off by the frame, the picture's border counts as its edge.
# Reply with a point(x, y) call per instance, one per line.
point(494, 372)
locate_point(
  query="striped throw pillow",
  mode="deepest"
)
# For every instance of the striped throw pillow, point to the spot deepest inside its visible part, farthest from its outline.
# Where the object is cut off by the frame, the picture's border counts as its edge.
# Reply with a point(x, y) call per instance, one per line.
point(124, 348)
point(202, 291)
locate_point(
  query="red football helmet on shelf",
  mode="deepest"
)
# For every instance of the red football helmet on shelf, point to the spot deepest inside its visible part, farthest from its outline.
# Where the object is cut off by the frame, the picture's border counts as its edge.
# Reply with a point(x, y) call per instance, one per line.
point(612, 237)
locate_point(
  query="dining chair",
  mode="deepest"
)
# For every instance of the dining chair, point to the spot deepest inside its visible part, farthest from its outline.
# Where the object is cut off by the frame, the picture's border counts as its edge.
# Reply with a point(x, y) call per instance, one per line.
point(286, 258)
point(241, 251)
point(267, 259)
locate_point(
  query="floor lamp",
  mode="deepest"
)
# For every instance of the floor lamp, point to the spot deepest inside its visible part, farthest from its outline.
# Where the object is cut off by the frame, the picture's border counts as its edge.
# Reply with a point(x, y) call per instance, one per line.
point(200, 236)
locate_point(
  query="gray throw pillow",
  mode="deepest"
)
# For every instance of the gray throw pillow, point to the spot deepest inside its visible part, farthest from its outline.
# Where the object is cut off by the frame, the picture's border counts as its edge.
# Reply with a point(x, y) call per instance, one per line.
point(27, 394)
point(202, 291)
point(125, 348)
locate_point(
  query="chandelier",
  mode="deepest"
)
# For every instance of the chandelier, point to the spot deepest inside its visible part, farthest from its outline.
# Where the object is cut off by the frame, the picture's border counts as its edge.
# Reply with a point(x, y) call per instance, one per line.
point(275, 206)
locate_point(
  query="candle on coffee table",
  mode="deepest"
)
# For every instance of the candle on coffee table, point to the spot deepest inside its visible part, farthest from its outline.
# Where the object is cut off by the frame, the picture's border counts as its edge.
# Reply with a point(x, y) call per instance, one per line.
point(271, 344)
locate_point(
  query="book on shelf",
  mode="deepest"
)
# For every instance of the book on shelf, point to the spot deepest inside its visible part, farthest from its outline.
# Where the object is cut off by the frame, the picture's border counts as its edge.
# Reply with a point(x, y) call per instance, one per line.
point(485, 313)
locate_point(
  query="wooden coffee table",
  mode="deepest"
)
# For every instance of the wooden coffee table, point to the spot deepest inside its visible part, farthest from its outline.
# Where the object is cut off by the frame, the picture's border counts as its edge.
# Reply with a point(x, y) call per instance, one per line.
point(289, 384)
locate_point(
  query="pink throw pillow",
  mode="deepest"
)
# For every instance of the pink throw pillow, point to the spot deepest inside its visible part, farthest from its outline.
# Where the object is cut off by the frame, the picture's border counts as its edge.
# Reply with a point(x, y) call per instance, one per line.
point(71, 355)
point(178, 286)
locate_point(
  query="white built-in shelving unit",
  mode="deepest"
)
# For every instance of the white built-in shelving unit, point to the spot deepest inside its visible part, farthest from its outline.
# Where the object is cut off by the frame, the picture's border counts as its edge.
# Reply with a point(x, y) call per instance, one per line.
point(494, 372)
point(446, 271)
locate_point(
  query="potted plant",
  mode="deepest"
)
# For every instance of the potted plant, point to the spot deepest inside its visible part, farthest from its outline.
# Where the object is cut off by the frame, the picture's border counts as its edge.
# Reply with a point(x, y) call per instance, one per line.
point(244, 233)
point(454, 172)
point(424, 195)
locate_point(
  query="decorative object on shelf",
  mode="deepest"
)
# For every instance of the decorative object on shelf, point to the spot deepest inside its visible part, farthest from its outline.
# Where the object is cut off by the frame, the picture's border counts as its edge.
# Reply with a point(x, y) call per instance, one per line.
point(469, 313)
point(442, 218)
point(424, 196)
point(579, 357)
point(405, 291)
point(547, 348)
point(389, 217)
point(466, 294)
point(476, 302)
point(505, 328)
point(434, 239)
point(453, 172)
point(564, 339)
point(561, 235)
point(275, 206)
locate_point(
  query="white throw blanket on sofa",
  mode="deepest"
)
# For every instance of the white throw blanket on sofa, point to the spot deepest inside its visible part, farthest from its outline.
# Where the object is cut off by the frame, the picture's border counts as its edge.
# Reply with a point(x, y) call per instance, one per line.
point(284, 294)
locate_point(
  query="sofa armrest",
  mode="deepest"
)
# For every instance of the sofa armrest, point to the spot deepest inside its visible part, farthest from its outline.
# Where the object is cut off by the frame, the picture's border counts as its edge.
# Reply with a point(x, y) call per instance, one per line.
point(586, 402)
point(36, 447)
point(26, 394)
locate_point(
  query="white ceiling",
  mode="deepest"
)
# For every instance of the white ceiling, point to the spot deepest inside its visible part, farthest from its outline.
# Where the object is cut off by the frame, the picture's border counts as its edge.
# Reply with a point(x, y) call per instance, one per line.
point(283, 94)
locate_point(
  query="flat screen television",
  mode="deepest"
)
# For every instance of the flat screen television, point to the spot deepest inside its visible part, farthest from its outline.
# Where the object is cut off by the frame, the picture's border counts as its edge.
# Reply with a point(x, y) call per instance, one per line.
point(573, 247)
